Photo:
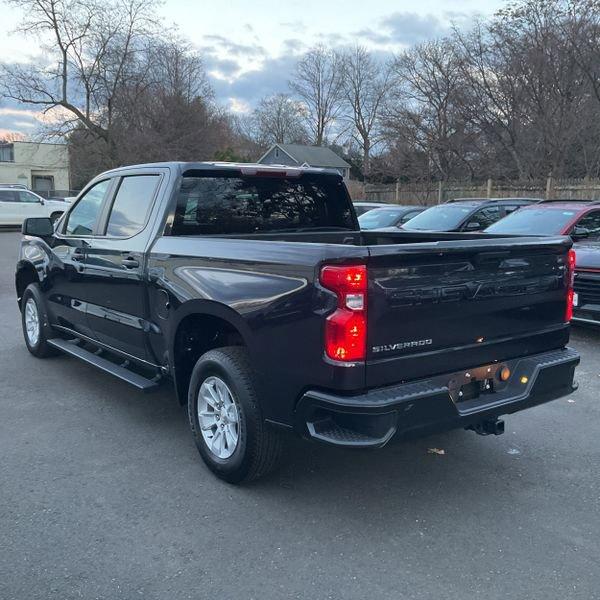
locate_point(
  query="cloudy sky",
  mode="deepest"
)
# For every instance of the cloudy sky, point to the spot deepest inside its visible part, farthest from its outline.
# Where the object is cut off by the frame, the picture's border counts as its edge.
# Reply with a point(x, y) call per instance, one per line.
point(250, 47)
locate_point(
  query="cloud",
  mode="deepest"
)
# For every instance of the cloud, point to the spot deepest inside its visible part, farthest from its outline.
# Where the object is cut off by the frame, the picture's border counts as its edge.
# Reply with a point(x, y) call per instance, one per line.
point(409, 28)
point(222, 68)
point(219, 43)
point(27, 120)
point(24, 124)
point(249, 87)
point(239, 106)
point(13, 118)
point(296, 26)
point(10, 134)
point(293, 45)
point(332, 39)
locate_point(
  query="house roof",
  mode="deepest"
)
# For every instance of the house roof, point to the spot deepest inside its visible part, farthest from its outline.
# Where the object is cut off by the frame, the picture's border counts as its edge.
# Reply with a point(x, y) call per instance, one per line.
point(314, 156)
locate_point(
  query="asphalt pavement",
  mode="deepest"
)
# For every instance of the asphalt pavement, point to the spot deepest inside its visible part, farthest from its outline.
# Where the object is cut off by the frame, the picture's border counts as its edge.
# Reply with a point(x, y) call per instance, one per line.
point(103, 496)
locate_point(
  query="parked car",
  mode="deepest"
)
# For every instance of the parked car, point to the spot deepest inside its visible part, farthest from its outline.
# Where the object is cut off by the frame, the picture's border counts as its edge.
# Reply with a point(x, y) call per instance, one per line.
point(581, 220)
point(253, 289)
point(360, 207)
point(17, 204)
point(465, 215)
point(577, 218)
point(390, 216)
point(14, 186)
point(67, 199)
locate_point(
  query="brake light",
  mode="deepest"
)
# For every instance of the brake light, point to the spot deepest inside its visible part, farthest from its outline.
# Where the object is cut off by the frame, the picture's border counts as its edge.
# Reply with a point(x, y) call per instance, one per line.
point(346, 328)
point(570, 276)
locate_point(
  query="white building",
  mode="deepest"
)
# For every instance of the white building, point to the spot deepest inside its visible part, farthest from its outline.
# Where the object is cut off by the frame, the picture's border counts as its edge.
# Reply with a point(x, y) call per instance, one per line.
point(40, 166)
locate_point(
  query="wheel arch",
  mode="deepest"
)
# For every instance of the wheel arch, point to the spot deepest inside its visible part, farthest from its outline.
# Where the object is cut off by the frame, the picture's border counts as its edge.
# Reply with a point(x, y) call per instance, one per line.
point(201, 326)
point(25, 275)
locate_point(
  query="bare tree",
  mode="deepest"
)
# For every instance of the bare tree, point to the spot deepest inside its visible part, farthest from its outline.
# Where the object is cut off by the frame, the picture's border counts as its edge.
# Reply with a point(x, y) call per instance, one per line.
point(365, 84)
point(278, 119)
point(423, 106)
point(527, 93)
point(319, 85)
point(89, 52)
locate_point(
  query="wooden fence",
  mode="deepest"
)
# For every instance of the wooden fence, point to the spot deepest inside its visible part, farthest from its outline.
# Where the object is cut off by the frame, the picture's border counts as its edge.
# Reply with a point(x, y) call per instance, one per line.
point(436, 192)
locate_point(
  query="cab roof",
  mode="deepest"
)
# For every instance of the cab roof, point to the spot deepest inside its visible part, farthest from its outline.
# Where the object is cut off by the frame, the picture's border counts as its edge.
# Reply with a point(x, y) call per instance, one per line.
point(246, 168)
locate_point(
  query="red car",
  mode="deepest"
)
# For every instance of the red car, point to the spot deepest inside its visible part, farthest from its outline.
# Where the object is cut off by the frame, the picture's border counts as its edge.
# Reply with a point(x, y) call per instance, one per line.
point(581, 220)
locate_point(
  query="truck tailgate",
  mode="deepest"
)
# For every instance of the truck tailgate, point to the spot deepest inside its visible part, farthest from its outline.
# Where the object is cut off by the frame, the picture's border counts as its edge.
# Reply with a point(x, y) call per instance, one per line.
point(450, 305)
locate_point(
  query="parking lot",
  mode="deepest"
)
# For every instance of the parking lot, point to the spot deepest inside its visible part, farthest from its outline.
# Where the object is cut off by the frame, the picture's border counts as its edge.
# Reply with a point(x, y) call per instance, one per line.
point(103, 495)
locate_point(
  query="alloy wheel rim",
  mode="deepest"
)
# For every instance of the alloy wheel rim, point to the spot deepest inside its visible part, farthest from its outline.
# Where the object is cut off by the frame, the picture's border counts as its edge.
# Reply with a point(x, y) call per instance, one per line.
point(32, 322)
point(218, 417)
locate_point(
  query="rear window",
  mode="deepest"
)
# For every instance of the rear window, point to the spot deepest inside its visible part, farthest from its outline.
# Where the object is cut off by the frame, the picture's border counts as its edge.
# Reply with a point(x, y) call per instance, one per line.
point(214, 203)
point(533, 221)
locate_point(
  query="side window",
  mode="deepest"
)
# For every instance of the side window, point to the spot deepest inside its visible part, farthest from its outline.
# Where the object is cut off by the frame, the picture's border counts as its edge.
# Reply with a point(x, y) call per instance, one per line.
point(83, 216)
point(483, 218)
point(131, 205)
point(27, 197)
point(591, 222)
point(7, 196)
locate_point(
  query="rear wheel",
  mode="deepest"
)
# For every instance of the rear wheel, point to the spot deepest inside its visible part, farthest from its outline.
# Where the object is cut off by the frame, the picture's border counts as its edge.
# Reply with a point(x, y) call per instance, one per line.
point(36, 329)
point(225, 417)
point(55, 217)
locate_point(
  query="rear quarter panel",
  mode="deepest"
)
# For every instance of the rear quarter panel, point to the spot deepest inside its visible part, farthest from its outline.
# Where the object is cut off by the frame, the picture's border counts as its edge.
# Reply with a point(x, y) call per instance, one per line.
point(269, 291)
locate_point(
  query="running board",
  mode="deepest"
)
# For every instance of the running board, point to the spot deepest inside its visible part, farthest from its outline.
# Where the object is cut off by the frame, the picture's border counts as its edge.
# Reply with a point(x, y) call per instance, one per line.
point(138, 381)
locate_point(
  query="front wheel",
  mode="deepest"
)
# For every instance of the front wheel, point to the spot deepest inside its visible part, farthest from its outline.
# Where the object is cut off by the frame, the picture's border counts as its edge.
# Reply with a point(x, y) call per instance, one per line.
point(225, 417)
point(34, 320)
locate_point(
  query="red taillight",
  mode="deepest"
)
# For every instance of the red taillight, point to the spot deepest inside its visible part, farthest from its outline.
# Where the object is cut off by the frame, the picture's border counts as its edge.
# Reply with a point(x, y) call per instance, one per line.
point(346, 336)
point(570, 277)
point(346, 328)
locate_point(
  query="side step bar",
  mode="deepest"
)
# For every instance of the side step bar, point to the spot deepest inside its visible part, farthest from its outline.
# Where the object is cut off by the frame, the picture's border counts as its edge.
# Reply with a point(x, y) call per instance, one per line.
point(138, 381)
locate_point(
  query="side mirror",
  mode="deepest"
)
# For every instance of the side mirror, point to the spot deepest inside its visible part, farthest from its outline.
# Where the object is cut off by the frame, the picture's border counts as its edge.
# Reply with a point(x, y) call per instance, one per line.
point(580, 233)
point(473, 226)
point(38, 227)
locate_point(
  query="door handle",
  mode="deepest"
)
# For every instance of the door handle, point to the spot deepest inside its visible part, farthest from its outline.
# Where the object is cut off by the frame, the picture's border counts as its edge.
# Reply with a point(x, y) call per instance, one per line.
point(130, 263)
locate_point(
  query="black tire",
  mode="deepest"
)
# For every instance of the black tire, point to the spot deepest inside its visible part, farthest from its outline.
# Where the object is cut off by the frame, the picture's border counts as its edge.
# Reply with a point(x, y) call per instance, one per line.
point(39, 348)
point(259, 447)
point(55, 216)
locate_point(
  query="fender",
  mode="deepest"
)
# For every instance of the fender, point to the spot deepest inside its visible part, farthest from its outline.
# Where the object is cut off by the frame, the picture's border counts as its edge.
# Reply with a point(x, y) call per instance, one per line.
point(201, 308)
point(210, 308)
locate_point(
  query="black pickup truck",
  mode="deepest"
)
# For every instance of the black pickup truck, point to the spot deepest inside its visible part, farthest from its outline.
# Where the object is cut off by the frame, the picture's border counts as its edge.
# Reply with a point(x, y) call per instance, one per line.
point(254, 291)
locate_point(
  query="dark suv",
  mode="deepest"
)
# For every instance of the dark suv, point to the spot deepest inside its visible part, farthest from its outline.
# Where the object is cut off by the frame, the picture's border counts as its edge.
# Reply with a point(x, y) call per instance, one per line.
point(474, 214)
point(581, 220)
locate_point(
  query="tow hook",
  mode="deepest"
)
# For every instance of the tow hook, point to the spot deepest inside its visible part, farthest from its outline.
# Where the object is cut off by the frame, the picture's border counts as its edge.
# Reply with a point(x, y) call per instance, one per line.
point(488, 427)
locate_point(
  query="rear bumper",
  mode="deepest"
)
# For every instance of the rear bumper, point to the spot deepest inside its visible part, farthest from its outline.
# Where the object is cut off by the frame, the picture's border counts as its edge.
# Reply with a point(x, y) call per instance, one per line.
point(418, 408)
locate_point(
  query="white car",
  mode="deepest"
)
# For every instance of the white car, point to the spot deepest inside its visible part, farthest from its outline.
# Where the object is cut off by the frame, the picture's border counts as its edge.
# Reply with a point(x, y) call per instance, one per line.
point(16, 205)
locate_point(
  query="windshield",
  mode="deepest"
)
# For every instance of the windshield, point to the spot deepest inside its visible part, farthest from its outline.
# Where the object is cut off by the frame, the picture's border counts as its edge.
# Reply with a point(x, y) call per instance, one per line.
point(444, 217)
point(375, 219)
point(534, 221)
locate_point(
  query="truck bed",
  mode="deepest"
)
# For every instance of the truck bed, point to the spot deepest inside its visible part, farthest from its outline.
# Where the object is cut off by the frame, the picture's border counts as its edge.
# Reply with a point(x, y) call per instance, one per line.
point(436, 301)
